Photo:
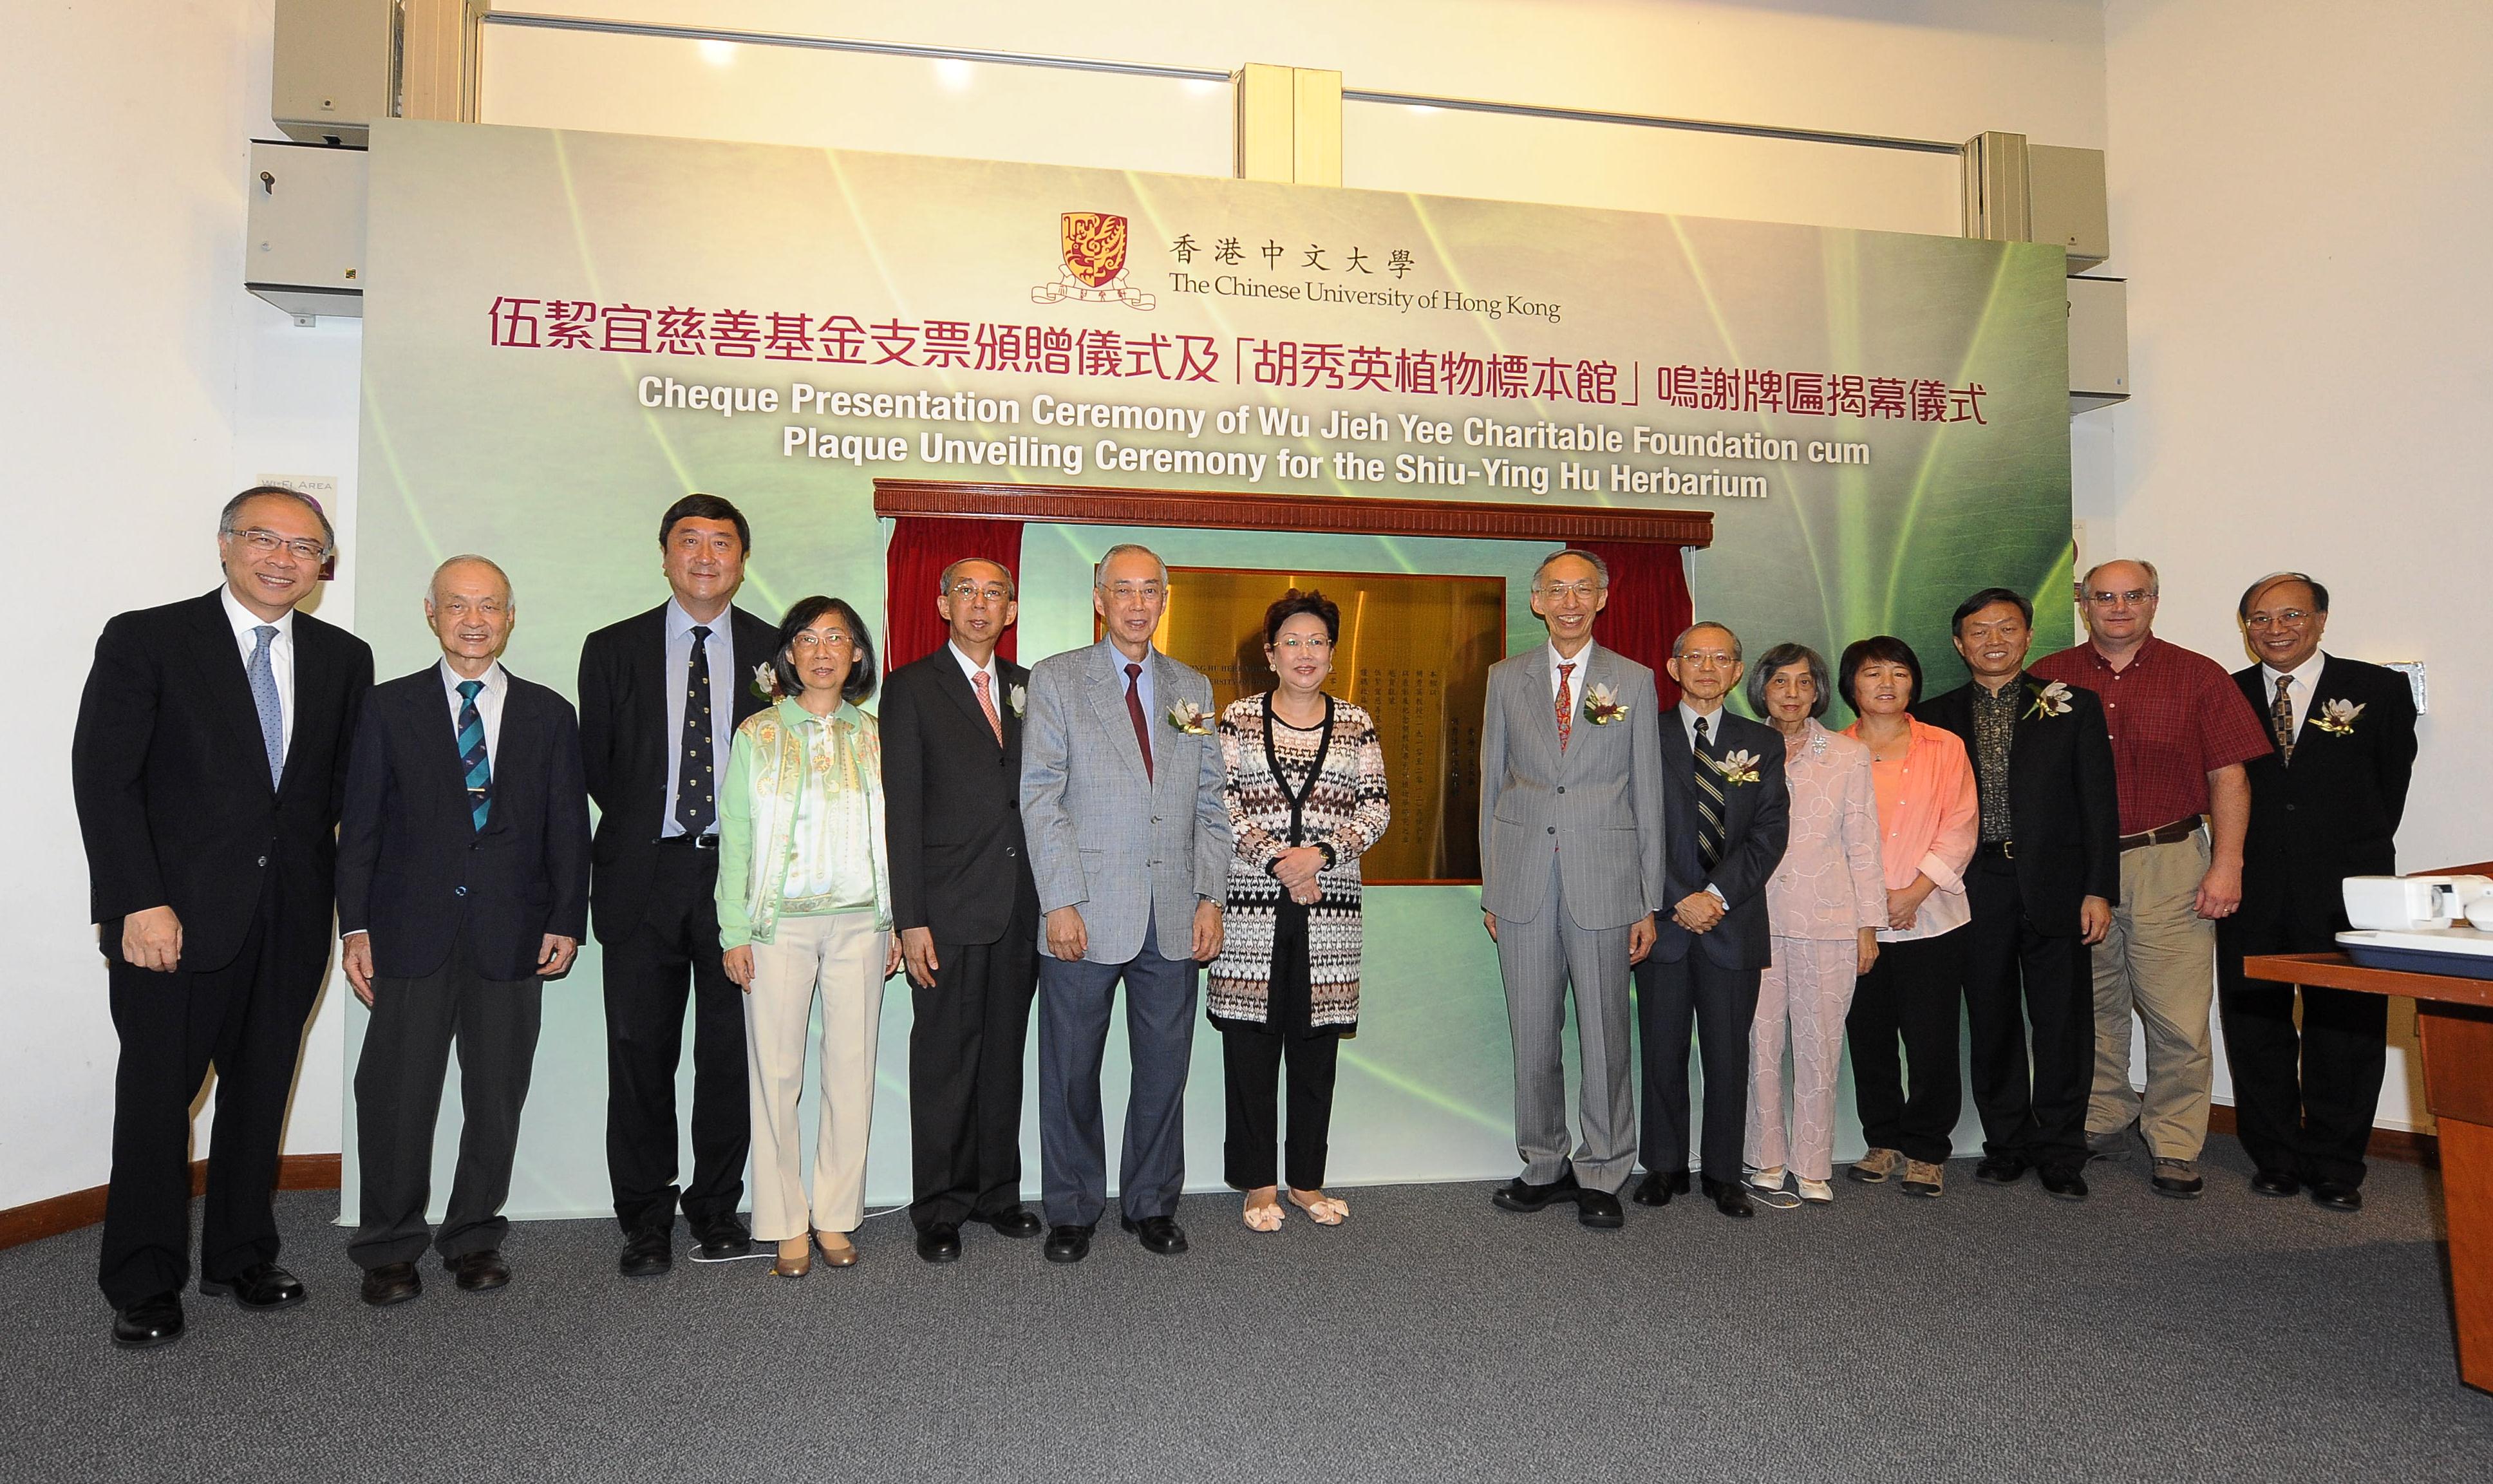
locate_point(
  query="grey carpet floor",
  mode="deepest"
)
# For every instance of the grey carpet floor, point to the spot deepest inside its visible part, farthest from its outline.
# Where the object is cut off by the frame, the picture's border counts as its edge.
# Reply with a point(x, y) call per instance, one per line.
point(1992, 1335)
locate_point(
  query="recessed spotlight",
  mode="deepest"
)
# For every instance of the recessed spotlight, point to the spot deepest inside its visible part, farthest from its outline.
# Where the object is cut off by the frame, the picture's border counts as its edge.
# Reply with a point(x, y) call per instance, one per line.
point(717, 53)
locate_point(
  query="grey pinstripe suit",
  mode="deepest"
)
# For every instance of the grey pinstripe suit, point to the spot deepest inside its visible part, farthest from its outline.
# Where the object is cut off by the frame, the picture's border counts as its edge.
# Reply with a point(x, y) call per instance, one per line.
point(1571, 857)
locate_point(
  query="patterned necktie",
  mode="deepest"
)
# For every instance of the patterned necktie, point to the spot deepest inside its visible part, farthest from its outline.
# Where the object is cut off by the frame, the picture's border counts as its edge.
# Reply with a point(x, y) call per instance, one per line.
point(695, 809)
point(472, 762)
point(1134, 710)
point(2280, 720)
point(987, 704)
point(263, 697)
point(1566, 706)
point(1709, 801)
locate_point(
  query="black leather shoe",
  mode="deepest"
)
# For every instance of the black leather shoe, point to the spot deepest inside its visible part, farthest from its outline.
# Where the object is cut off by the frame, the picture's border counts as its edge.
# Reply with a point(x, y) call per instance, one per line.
point(2277, 1182)
point(2336, 1196)
point(1067, 1244)
point(261, 1285)
point(1521, 1195)
point(1731, 1197)
point(939, 1242)
point(647, 1254)
point(391, 1283)
point(2001, 1170)
point(1656, 1188)
point(1014, 1220)
point(1160, 1234)
point(2063, 1182)
point(1600, 1210)
point(477, 1271)
point(150, 1322)
point(725, 1240)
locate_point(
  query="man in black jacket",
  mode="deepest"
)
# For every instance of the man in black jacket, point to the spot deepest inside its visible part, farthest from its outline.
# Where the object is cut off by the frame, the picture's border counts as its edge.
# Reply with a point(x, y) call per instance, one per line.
point(463, 882)
point(660, 697)
point(2041, 887)
point(2325, 805)
point(208, 764)
point(967, 909)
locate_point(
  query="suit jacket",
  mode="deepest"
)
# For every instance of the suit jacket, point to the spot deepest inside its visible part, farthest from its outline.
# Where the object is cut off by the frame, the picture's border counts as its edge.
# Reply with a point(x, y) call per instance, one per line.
point(2331, 813)
point(960, 865)
point(2065, 811)
point(413, 868)
point(1599, 804)
point(624, 749)
point(1756, 824)
point(1126, 848)
point(171, 777)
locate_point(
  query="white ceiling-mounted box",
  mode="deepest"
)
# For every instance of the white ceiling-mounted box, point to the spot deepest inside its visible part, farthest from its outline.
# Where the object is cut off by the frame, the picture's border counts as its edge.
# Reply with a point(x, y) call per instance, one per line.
point(2066, 190)
point(335, 67)
point(2098, 343)
point(306, 248)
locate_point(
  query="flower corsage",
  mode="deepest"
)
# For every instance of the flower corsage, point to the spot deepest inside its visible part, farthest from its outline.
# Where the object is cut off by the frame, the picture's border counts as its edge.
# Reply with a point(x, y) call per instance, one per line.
point(1187, 717)
point(1738, 768)
point(765, 683)
point(1018, 697)
point(1602, 705)
point(2050, 700)
point(2337, 717)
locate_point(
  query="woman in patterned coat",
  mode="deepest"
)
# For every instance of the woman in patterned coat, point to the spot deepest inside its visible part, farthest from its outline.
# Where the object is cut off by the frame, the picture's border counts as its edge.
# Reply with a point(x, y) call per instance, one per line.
point(1306, 799)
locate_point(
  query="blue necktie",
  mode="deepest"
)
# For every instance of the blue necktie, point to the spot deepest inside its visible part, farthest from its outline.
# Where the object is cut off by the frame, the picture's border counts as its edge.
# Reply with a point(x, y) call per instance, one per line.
point(472, 754)
point(263, 697)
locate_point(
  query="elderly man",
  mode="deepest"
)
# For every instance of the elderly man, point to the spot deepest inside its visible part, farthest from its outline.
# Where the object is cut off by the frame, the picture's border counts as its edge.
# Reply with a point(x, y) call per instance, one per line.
point(2325, 805)
point(1120, 792)
point(2180, 733)
point(1571, 822)
point(463, 885)
point(207, 766)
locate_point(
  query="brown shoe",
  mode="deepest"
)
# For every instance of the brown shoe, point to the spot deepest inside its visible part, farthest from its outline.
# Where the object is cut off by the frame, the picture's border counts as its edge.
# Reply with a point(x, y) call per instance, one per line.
point(837, 1249)
point(1922, 1179)
point(1877, 1167)
point(796, 1258)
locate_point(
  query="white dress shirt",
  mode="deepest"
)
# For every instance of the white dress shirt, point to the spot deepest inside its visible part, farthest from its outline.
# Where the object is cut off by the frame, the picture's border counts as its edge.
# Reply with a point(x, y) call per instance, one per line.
point(1582, 660)
point(489, 704)
point(723, 681)
point(2306, 685)
point(971, 670)
point(280, 657)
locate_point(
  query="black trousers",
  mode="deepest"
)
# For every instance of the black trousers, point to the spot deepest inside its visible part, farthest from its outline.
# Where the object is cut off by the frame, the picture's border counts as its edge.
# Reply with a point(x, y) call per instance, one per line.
point(1720, 1004)
point(2020, 981)
point(1909, 994)
point(965, 1077)
point(398, 1098)
point(2304, 1100)
point(246, 1020)
point(674, 952)
point(1250, 1063)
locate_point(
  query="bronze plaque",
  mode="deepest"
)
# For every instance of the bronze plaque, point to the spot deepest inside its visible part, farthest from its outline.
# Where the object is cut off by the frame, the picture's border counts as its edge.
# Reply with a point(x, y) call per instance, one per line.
point(1415, 651)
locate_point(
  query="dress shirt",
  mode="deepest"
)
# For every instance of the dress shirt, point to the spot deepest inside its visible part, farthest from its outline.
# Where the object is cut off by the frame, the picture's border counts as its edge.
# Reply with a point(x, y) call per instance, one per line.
point(830, 845)
point(280, 657)
point(2306, 685)
point(489, 706)
point(1582, 660)
point(971, 670)
point(1144, 690)
point(2174, 716)
point(722, 698)
point(1927, 816)
point(1995, 736)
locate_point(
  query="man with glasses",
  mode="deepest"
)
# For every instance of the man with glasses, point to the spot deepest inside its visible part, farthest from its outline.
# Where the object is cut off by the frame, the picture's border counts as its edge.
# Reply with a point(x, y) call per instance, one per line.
point(967, 909)
point(208, 763)
point(2325, 805)
point(2180, 733)
point(1570, 824)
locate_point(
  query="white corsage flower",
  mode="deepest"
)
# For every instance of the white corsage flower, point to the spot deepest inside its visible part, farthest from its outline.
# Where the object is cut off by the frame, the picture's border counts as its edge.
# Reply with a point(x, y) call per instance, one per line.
point(1187, 717)
point(1018, 697)
point(1602, 705)
point(2337, 717)
point(2052, 700)
point(1738, 768)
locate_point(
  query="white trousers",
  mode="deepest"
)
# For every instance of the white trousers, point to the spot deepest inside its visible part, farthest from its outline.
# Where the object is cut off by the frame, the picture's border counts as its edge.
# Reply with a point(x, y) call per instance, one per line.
point(839, 955)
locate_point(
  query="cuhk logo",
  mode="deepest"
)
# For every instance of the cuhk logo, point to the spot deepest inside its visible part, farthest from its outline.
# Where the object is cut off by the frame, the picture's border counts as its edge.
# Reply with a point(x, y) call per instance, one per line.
point(1094, 263)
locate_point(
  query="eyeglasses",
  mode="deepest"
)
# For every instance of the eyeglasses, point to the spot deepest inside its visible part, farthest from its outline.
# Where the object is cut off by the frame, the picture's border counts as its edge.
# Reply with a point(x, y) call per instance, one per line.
point(2131, 598)
point(2288, 617)
point(993, 592)
point(264, 543)
point(459, 608)
point(1580, 591)
point(1128, 591)
point(1312, 643)
point(833, 639)
point(1718, 659)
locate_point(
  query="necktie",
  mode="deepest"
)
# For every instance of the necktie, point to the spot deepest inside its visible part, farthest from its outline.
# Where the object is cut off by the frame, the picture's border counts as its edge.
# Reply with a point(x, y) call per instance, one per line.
point(1709, 801)
point(2280, 720)
point(263, 697)
point(472, 762)
point(1566, 706)
point(1134, 710)
point(696, 807)
point(987, 704)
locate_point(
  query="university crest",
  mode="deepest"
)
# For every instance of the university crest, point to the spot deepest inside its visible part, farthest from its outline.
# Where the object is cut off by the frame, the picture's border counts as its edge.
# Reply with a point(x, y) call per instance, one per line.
point(1093, 246)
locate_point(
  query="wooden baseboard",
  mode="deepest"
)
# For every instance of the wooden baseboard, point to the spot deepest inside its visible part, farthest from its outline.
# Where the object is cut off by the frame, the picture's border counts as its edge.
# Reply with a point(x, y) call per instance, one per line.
point(2403, 1145)
point(40, 1219)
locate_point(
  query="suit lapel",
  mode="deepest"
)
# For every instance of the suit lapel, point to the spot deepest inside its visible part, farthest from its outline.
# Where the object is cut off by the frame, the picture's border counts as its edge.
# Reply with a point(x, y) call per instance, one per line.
point(949, 680)
point(1015, 678)
point(1108, 702)
point(230, 683)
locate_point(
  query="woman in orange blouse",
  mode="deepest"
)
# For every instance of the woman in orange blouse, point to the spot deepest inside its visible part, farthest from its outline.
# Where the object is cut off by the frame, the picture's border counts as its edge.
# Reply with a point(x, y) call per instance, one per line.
point(1929, 815)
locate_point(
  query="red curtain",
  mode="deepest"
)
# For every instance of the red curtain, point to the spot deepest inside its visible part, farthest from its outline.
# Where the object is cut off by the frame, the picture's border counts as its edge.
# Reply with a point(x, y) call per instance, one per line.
point(922, 548)
point(1650, 605)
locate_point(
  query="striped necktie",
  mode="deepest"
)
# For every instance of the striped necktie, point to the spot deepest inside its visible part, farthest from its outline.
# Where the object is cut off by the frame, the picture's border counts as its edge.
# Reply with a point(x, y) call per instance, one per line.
point(1709, 801)
point(479, 770)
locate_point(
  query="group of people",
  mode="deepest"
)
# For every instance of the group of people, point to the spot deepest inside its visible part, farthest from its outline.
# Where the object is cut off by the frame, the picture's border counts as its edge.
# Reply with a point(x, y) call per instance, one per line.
point(2029, 846)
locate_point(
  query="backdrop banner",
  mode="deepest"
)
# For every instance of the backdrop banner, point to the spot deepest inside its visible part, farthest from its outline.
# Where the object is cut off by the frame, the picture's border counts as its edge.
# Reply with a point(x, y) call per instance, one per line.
point(564, 332)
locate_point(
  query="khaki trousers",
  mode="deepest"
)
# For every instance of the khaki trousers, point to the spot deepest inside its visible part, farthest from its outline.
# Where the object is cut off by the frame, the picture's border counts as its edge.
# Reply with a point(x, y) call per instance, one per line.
point(841, 956)
point(2160, 961)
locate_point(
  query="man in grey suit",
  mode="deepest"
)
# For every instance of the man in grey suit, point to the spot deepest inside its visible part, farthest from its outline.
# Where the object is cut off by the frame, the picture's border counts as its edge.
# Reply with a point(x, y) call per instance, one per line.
point(1121, 795)
point(1570, 871)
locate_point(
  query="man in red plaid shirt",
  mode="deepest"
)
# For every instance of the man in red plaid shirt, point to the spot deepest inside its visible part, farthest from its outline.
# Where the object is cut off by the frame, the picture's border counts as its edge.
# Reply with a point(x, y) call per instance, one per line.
point(2180, 733)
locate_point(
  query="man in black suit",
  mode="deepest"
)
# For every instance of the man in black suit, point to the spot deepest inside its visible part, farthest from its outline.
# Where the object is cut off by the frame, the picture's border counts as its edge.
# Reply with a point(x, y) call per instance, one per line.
point(2325, 805)
point(2041, 887)
point(463, 882)
point(660, 697)
point(1727, 813)
point(967, 909)
point(208, 765)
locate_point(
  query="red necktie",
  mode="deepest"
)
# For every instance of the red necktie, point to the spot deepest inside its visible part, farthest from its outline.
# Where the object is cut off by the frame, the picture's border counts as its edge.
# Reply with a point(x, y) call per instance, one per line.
point(1566, 706)
point(1134, 710)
